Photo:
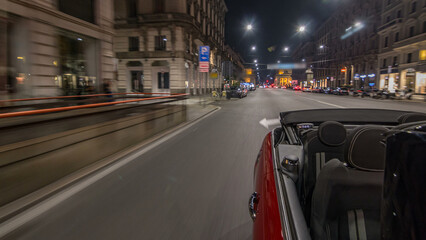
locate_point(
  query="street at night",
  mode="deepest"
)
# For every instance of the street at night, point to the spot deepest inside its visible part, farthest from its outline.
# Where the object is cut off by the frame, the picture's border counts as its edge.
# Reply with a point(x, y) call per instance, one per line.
point(194, 185)
point(212, 119)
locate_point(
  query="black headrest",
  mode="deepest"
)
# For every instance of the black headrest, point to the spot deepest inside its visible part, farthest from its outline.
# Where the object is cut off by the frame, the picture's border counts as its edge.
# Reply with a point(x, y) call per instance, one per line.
point(365, 149)
point(332, 133)
point(412, 117)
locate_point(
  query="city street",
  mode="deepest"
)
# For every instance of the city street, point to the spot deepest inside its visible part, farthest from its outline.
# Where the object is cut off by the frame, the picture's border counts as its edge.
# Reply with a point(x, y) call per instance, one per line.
point(194, 185)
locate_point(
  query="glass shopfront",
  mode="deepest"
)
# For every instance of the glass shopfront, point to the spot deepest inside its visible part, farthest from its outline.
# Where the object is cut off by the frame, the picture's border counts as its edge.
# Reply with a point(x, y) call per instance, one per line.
point(77, 64)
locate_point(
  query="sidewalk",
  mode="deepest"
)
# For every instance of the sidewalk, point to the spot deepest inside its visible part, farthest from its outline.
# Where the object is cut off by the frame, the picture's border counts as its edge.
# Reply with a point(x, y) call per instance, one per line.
point(198, 106)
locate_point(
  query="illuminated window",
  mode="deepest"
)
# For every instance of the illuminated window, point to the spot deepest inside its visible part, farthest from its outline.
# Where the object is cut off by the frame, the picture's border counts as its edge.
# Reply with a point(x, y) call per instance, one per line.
point(422, 55)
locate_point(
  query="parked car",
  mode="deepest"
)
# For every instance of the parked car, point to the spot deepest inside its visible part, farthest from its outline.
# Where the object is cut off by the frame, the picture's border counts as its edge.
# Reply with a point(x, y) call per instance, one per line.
point(297, 88)
point(313, 178)
point(236, 92)
point(328, 90)
point(341, 91)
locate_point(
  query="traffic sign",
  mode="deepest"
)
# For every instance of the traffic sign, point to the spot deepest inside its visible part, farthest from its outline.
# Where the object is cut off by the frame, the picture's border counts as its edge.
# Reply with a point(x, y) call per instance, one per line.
point(204, 64)
point(204, 54)
point(204, 70)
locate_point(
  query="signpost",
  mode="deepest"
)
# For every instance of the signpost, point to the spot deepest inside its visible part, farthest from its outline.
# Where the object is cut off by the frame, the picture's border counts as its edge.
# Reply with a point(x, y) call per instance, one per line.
point(204, 60)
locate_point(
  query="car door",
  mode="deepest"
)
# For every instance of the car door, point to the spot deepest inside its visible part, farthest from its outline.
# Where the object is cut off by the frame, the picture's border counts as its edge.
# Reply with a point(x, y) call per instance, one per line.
point(263, 203)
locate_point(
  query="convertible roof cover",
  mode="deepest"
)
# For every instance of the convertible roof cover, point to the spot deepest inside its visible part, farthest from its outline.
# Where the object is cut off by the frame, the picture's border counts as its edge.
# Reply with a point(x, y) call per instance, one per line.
point(346, 116)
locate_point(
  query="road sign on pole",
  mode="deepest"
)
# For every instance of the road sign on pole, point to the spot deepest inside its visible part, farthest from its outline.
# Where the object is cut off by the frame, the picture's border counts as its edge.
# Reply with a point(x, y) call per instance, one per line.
point(204, 58)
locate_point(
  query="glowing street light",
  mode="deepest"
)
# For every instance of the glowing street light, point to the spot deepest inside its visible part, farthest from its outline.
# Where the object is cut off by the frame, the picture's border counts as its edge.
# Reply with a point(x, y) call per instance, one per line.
point(358, 24)
point(321, 46)
point(286, 49)
point(278, 61)
point(249, 27)
point(301, 29)
point(303, 60)
point(253, 48)
point(255, 60)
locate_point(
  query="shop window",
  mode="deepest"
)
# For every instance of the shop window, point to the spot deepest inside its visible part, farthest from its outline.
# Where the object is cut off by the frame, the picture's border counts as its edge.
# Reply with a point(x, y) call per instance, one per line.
point(160, 43)
point(163, 79)
point(409, 56)
point(133, 44)
point(413, 7)
point(397, 37)
point(411, 32)
point(82, 9)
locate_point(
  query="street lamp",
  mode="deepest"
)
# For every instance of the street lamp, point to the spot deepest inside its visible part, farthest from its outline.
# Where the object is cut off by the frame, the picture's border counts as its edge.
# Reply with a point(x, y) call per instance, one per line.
point(253, 48)
point(303, 60)
point(255, 60)
point(278, 61)
point(286, 49)
point(249, 27)
point(301, 29)
point(321, 46)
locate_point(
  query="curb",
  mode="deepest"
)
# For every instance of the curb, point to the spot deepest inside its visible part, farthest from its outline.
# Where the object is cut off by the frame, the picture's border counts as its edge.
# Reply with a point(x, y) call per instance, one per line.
point(21, 205)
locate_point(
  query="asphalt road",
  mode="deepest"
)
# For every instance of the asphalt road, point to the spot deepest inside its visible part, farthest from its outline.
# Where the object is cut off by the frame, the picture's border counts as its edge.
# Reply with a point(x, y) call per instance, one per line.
point(193, 186)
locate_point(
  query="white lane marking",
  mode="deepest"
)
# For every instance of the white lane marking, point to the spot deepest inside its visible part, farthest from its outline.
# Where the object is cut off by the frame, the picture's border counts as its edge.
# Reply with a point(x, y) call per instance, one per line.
point(334, 105)
point(32, 213)
point(269, 122)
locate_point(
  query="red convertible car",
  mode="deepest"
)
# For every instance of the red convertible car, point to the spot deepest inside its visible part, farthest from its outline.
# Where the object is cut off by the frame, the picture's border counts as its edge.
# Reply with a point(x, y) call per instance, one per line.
point(342, 174)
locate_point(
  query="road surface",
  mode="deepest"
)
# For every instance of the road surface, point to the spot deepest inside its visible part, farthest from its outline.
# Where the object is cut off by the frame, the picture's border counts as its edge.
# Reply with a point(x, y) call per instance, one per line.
point(194, 185)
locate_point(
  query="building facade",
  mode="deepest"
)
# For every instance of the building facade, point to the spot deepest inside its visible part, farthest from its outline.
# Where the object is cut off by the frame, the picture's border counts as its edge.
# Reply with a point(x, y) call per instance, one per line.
point(55, 47)
point(344, 48)
point(157, 42)
point(402, 56)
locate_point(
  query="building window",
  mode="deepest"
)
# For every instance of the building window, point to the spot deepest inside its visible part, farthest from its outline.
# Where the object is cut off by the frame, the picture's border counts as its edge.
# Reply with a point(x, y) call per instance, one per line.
point(424, 27)
point(411, 33)
point(82, 9)
point(132, 10)
point(395, 61)
point(133, 44)
point(159, 6)
point(386, 41)
point(137, 81)
point(397, 37)
point(409, 57)
point(389, 2)
point(398, 14)
point(163, 79)
point(188, 8)
point(384, 63)
point(413, 7)
point(160, 43)
point(387, 19)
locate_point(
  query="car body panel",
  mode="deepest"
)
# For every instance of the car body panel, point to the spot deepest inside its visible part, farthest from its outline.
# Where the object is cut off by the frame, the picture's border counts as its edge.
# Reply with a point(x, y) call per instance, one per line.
point(267, 224)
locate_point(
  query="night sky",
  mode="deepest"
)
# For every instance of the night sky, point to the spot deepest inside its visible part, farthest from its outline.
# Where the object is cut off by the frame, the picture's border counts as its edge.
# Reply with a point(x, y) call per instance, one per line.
point(275, 23)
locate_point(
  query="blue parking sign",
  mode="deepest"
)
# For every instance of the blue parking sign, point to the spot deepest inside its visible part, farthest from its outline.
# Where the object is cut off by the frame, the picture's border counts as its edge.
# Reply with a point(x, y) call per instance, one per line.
point(204, 53)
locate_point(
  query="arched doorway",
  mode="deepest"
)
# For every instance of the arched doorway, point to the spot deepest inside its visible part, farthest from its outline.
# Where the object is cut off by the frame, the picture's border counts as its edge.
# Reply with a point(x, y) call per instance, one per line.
point(160, 77)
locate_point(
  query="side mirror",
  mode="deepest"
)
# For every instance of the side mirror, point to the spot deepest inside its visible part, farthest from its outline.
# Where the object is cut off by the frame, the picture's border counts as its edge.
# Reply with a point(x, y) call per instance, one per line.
point(290, 166)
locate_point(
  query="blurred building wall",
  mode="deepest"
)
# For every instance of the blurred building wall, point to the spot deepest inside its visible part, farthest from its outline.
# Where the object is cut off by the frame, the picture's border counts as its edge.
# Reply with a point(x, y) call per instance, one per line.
point(32, 65)
point(157, 44)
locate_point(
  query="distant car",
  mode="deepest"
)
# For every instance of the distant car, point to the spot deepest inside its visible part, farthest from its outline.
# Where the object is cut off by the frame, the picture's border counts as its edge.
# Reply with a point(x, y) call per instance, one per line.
point(283, 87)
point(252, 87)
point(307, 89)
point(297, 88)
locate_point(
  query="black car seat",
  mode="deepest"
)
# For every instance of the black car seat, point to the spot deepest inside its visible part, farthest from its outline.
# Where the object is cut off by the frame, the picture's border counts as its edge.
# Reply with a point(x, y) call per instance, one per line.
point(347, 195)
point(319, 147)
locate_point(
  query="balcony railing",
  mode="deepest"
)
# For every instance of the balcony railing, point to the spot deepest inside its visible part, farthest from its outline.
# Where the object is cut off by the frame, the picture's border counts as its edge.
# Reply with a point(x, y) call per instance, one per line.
point(389, 24)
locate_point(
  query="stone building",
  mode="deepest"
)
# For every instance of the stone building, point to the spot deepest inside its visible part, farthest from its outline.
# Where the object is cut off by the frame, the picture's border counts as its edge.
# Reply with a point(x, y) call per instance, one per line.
point(55, 47)
point(157, 44)
point(345, 46)
point(402, 56)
